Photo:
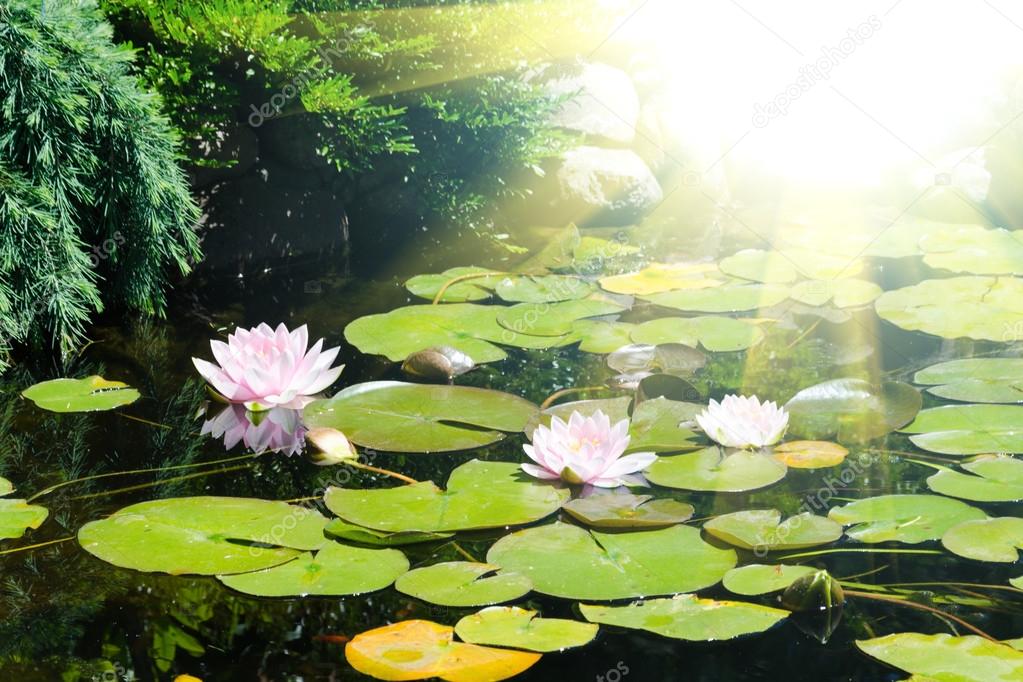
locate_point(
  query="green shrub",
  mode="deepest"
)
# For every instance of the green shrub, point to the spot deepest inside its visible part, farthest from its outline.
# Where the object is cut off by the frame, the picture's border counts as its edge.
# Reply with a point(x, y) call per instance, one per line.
point(93, 207)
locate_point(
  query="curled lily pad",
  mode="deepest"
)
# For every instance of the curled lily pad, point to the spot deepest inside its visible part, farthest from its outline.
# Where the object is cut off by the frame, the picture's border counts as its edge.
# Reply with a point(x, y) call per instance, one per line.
point(902, 518)
point(543, 289)
point(334, 570)
point(90, 394)
point(983, 308)
point(853, 410)
point(340, 528)
point(754, 579)
point(628, 511)
point(439, 363)
point(17, 516)
point(463, 284)
point(986, 539)
point(204, 535)
point(975, 380)
point(763, 530)
point(400, 417)
point(716, 334)
point(714, 469)
point(993, 479)
point(944, 657)
point(479, 495)
point(420, 649)
point(968, 429)
point(515, 628)
point(659, 277)
point(686, 616)
point(810, 454)
point(569, 562)
point(463, 583)
point(728, 298)
point(554, 319)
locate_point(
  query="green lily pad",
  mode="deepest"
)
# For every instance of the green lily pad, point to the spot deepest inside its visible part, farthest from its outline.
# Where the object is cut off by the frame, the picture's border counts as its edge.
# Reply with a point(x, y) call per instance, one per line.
point(569, 562)
point(204, 535)
point(688, 617)
point(628, 511)
point(716, 334)
point(902, 518)
point(17, 516)
point(947, 658)
point(983, 308)
point(543, 289)
point(986, 539)
point(975, 380)
point(852, 410)
point(335, 570)
point(479, 495)
point(658, 425)
point(728, 298)
point(554, 319)
point(994, 479)
point(759, 266)
point(470, 328)
point(595, 252)
point(974, 249)
point(968, 429)
point(763, 529)
point(399, 417)
point(340, 528)
point(658, 277)
point(516, 628)
point(841, 293)
point(90, 394)
point(599, 336)
point(754, 579)
point(475, 289)
point(463, 583)
point(6, 487)
point(716, 470)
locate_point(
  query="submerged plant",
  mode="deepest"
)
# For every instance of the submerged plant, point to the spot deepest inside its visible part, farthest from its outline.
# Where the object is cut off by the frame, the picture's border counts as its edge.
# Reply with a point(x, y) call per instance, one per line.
point(585, 450)
point(743, 422)
point(264, 368)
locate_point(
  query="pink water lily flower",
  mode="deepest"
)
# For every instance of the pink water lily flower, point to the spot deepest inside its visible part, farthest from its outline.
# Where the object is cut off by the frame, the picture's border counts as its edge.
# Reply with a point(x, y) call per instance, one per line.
point(741, 422)
point(586, 450)
point(265, 368)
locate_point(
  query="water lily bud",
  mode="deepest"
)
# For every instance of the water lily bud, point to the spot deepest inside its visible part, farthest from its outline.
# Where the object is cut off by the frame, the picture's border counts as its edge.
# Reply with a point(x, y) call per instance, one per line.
point(816, 601)
point(334, 446)
point(440, 362)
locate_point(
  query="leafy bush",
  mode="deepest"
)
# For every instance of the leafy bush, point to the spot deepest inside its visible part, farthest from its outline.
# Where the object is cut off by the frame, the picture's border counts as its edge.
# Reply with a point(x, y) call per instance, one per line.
point(93, 208)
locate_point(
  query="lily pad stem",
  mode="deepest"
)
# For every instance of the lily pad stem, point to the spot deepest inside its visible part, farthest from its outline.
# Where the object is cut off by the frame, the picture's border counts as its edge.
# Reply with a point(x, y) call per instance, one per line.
point(378, 470)
point(461, 278)
point(568, 391)
point(922, 607)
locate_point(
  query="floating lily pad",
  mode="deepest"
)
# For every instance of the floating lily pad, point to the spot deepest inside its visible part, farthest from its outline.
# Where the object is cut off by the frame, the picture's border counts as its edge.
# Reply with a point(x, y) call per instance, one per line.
point(754, 579)
point(90, 394)
point(974, 249)
point(543, 289)
point(716, 334)
point(659, 425)
point(944, 657)
point(716, 470)
point(763, 530)
point(340, 528)
point(760, 266)
point(810, 454)
point(599, 336)
point(475, 289)
point(470, 328)
point(983, 308)
point(976, 380)
point(420, 649)
point(516, 628)
point(986, 539)
point(479, 495)
point(968, 429)
point(399, 417)
point(994, 479)
point(628, 511)
point(553, 319)
point(853, 410)
point(17, 516)
point(728, 298)
point(902, 518)
point(334, 570)
point(6, 487)
point(841, 293)
point(569, 562)
point(594, 252)
point(670, 358)
point(688, 617)
point(204, 535)
point(658, 277)
point(463, 583)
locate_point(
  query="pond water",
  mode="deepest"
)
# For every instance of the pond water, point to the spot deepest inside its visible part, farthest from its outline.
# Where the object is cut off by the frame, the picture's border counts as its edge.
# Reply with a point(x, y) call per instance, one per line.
point(70, 615)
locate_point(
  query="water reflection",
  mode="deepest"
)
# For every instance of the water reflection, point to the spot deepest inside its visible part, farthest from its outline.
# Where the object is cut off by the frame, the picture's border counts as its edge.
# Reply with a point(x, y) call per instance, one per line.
point(277, 430)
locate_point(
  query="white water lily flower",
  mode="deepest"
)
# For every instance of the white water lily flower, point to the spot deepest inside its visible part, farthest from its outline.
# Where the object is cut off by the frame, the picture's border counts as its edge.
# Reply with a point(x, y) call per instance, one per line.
point(586, 450)
point(743, 422)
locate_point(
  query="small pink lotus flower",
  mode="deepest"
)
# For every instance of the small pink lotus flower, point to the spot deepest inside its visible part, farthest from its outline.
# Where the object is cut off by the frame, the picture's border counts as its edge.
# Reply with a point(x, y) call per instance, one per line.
point(585, 450)
point(276, 430)
point(741, 422)
point(264, 368)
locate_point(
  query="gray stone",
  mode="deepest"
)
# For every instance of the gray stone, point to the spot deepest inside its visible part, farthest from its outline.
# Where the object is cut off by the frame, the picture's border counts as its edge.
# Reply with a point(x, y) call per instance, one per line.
point(605, 107)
